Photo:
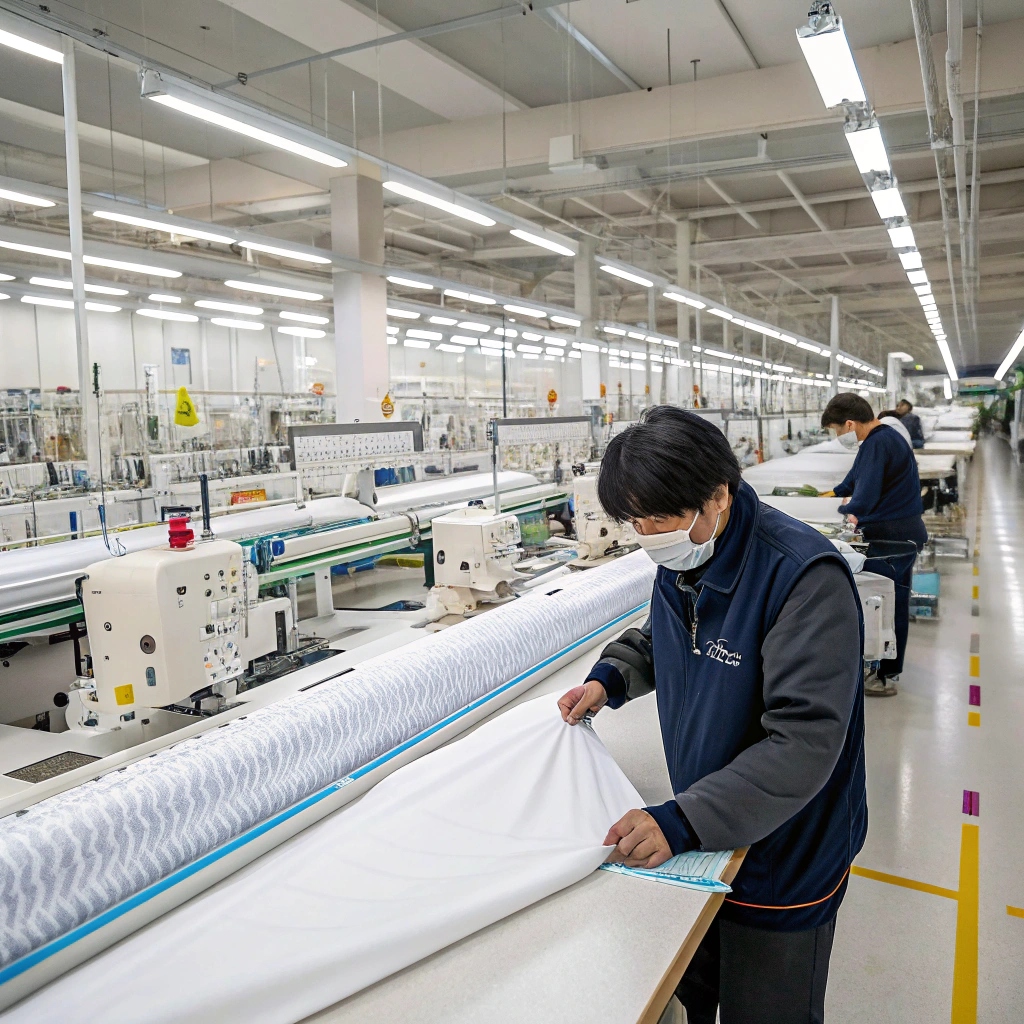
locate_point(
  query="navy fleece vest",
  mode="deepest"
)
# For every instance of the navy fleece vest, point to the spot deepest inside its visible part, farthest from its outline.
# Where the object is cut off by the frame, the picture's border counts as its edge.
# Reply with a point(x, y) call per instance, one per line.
point(711, 705)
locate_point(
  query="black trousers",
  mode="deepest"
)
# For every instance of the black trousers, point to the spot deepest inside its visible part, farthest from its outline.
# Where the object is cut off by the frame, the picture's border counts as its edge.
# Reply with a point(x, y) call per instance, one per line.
point(753, 976)
point(883, 543)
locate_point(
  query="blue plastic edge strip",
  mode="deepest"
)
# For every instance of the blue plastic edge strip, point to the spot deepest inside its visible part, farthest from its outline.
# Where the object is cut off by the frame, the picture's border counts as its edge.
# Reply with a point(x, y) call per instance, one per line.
point(44, 952)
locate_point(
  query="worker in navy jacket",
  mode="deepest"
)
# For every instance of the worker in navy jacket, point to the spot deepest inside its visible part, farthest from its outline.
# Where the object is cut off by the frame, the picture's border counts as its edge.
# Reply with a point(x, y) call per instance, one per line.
point(753, 647)
point(884, 492)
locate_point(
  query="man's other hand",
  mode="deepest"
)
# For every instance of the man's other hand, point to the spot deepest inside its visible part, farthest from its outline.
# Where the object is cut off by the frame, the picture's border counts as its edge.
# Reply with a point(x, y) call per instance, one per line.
point(638, 841)
point(591, 696)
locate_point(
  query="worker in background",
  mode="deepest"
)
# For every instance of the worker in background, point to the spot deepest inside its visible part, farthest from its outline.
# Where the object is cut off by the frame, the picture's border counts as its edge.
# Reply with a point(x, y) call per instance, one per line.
point(753, 646)
point(911, 421)
point(884, 493)
point(890, 419)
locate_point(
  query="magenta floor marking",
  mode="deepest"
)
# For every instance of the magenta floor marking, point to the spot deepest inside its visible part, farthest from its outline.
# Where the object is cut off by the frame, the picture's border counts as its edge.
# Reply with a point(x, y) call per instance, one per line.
point(972, 803)
point(975, 696)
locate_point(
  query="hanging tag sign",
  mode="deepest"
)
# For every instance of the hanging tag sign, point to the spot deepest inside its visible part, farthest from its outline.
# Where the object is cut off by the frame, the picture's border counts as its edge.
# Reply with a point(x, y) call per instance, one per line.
point(185, 410)
point(387, 407)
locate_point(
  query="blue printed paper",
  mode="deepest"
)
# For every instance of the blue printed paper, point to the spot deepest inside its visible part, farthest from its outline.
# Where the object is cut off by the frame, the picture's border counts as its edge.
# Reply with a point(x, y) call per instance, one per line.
point(694, 870)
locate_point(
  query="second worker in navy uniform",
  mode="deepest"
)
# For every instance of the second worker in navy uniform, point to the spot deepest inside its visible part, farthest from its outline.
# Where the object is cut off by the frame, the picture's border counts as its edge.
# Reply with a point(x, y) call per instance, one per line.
point(753, 646)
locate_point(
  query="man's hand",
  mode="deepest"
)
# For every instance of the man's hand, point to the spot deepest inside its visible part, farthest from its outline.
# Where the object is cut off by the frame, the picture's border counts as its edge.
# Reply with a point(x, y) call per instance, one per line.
point(591, 696)
point(638, 841)
point(851, 519)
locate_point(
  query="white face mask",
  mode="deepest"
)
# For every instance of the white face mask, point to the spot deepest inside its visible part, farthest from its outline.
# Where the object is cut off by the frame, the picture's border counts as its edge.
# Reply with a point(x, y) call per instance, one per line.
point(676, 551)
point(849, 439)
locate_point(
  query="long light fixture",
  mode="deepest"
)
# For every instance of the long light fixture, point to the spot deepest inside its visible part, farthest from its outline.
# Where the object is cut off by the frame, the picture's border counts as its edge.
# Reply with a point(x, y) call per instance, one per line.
point(23, 198)
point(273, 289)
point(290, 254)
point(99, 289)
point(228, 307)
point(94, 261)
point(158, 225)
point(627, 275)
point(418, 332)
point(303, 318)
point(415, 343)
point(544, 243)
point(241, 128)
point(1010, 356)
point(524, 310)
point(240, 325)
point(696, 303)
point(911, 260)
point(947, 389)
point(827, 52)
point(168, 314)
point(302, 332)
point(917, 276)
point(6, 277)
point(484, 300)
point(566, 321)
point(444, 321)
point(419, 196)
point(403, 314)
point(408, 282)
point(30, 47)
point(888, 202)
point(46, 300)
point(868, 150)
point(902, 237)
point(472, 325)
point(158, 297)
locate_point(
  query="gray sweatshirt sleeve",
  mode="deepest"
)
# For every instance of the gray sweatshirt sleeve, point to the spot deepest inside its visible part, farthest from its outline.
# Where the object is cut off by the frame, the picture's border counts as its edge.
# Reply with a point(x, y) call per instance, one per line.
point(812, 662)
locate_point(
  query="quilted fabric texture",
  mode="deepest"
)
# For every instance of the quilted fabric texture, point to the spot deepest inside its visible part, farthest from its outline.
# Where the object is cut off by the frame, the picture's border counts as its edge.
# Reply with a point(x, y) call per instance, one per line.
point(80, 852)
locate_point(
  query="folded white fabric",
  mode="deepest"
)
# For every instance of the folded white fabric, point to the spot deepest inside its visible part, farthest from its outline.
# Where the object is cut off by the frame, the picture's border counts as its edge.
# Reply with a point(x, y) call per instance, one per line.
point(443, 847)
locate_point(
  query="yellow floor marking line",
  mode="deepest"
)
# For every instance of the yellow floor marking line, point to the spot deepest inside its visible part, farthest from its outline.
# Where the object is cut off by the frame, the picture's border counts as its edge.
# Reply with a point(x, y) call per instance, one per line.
point(975, 665)
point(975, 571)
point(974, 592)
point(906, 883)
point(965, 958)
point(1015, 911)
point(974, 718)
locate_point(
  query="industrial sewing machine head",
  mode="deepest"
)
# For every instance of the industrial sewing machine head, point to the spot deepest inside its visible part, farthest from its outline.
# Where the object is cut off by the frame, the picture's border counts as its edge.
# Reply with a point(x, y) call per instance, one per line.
point(597, 534)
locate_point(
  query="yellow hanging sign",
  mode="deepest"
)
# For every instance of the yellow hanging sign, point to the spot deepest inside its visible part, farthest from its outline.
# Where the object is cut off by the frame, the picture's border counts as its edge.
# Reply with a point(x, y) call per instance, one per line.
point(552, 396)
point(185, 411)
point(387, 407)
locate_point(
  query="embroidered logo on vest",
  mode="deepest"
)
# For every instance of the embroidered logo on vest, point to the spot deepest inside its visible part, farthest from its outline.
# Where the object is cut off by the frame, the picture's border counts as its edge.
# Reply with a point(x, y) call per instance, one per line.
point(717, 650)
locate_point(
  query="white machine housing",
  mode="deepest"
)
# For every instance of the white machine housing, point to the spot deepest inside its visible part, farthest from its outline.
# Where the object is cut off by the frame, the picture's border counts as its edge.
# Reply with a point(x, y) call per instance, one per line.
point(878, 599)
point(596, 532)
point(164, 623)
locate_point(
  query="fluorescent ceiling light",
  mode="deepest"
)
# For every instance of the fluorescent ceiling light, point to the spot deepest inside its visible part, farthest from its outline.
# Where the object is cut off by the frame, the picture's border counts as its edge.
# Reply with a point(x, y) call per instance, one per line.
point(868, 150)
point(544, 243)
point(273, 289)
point(290, 254)
point(415, 332)
point(168, 314)
point(530, 336)
point(506, 332)
point(568, 321)
point(391, 329)
point(28, 46)
point(157, 225)
point(452, 348)
point(553, 339)
point(250, 131)
point(524, 310)
point(888, 202)
point(902, 237)
point(923, 289)
point(36, 250)
point(676, 297)
point(46, 300)
point(99, 289)
point(445, 321)
point(471, 325)
point(4, 295)
point(947, 389)
point(304, 318)
point(948, 359)
point(627, 276)
point(465, 339)
point(917, 276)
point(454, 293)
point(653, 339)
point(24, 198)
point(6, 277)
point(241, 325)
point(529, 348)
point(135, 268)
point(415, 343)
point(720, 312)
point(830, 59)
point(157, 297)
point(304, 332)
point(911, 260)
point(614, 330)
point(637, 335)
point(408, 282)
point(228, 307)
point(807, 346)
point(403, 314)
point(440, 204)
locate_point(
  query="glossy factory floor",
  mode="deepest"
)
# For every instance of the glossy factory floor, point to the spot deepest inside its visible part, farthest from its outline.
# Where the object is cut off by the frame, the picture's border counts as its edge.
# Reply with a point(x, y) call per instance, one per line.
point(932, 928)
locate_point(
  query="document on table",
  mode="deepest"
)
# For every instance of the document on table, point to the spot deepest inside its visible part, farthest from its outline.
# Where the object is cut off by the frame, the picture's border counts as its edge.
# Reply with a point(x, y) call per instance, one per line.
point(694, 870)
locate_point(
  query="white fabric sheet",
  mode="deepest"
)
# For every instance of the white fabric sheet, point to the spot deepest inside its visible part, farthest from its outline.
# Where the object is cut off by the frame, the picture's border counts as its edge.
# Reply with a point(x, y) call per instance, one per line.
point(443, 847)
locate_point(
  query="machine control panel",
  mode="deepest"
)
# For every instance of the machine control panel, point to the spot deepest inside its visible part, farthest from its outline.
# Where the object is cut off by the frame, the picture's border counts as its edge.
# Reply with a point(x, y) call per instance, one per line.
point(313, 444)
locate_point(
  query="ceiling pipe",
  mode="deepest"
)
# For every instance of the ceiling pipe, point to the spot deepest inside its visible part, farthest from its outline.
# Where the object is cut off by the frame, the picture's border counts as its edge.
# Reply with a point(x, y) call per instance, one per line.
point(974, 246)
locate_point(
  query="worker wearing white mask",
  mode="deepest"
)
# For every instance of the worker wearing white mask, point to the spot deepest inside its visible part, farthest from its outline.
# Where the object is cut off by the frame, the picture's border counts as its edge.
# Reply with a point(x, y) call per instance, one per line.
point(753, 647)
point(884, 492)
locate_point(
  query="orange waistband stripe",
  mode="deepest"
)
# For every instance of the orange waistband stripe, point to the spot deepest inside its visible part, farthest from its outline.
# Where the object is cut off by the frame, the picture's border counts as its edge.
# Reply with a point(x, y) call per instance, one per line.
point(794, 906)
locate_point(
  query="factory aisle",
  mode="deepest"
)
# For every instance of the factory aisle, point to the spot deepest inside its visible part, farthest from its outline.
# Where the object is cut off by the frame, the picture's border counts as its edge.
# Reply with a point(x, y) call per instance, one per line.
point(932, 928)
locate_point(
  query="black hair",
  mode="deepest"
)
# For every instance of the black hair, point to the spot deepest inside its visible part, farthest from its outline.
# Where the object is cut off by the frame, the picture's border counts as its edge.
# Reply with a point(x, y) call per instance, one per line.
point(909, 405)
point(669, 463)
point(892, 413)
point(846, 406)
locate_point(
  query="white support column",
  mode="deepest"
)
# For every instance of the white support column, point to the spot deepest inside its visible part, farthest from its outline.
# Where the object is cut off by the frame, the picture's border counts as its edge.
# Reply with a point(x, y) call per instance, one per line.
point(833, 340)
point(585, 302)
point(360, 300)
point(324, 593)
point(685, 376)
point(89, 427)
point(652, 326)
